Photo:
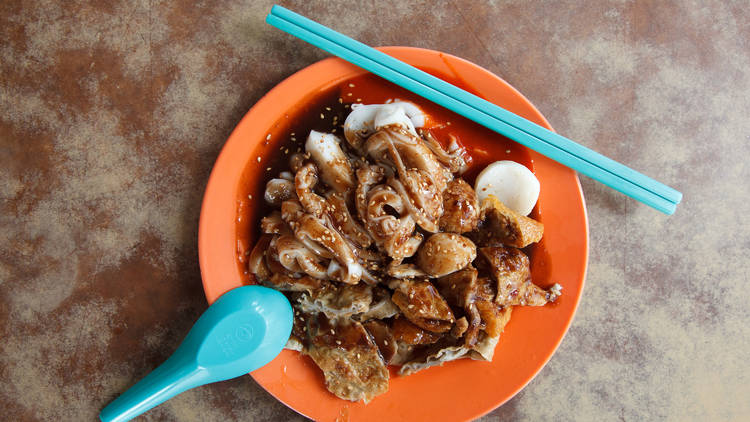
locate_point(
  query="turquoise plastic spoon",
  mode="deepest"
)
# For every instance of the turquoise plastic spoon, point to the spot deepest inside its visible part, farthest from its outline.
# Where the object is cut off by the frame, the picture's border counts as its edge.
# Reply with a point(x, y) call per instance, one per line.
point(243, 330)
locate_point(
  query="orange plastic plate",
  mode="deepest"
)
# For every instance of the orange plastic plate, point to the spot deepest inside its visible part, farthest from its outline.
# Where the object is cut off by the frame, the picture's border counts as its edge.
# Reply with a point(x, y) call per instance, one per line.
point(459, 390)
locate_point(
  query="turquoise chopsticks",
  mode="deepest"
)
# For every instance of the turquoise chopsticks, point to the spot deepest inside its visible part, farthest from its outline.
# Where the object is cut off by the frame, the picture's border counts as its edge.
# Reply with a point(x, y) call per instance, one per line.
point(529, 134)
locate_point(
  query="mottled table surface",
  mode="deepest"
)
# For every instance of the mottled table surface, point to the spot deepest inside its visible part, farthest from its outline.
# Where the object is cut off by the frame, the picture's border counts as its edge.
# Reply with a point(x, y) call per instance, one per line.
point(112, 114)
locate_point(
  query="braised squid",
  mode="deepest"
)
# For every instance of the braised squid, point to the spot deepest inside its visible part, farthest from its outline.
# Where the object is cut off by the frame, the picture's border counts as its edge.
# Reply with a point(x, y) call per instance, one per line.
point(386, 253)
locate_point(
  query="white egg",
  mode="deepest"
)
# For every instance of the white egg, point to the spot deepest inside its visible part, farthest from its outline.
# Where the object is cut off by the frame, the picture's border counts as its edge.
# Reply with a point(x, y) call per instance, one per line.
point(512, 183)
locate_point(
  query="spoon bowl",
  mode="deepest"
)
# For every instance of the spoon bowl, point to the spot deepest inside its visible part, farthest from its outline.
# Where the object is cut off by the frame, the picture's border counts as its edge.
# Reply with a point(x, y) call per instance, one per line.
point(243, 330)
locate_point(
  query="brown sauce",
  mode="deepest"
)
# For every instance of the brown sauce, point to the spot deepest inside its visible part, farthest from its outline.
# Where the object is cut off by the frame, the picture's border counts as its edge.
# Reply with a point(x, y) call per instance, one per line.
point(483, 145)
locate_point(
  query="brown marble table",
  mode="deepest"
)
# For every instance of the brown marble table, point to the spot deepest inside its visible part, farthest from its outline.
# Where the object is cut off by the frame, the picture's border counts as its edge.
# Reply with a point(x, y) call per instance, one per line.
point(113, 112)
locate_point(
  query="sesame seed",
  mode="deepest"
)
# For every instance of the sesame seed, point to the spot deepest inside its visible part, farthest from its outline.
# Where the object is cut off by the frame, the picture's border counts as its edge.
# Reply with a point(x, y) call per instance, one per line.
point(359, 100)
point(259, 159)
point(249, 197)
point(322, 116)
point(341, 100)
point(268, 168)
point(268, 137)
point(507, 151)
point(328, 108)
point(349, 94)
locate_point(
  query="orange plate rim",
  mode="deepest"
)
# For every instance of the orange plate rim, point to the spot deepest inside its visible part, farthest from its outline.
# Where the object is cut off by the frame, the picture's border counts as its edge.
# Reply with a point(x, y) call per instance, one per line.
point(478, 387)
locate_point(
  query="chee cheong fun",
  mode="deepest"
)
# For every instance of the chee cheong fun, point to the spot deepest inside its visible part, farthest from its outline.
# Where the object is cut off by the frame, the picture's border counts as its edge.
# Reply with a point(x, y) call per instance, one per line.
point(387, 254)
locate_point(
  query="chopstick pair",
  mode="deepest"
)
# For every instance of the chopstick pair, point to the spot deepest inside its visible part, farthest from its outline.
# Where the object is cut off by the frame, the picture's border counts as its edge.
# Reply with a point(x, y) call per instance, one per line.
point(525, 132)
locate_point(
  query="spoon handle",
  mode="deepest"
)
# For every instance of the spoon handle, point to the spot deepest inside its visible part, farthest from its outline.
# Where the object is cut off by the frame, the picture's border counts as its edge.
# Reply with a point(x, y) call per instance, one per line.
point(175, 375)
point(243, 330)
